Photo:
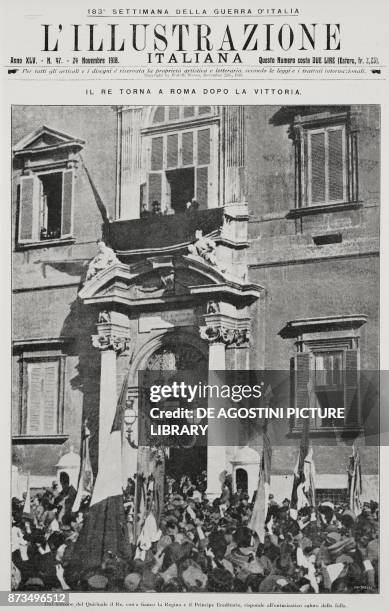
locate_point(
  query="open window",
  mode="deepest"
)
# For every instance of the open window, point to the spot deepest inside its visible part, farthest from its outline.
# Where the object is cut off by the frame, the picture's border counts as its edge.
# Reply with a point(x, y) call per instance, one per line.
point(182, 145)
point(46, 186)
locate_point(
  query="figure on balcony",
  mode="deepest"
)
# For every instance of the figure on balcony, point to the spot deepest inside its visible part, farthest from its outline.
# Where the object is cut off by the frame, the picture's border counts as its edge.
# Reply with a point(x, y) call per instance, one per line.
point(144, 212)
point(192, 206)
point(156, 207)
point(105, 257)
point(203, 247)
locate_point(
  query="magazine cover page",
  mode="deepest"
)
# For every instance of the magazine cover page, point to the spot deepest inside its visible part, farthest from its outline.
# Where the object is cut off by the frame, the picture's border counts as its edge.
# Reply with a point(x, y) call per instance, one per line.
point(193, 361)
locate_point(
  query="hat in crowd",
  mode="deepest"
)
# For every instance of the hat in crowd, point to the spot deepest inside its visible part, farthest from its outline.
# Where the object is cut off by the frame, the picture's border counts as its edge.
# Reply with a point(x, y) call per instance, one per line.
point(97, 582)
point(333, 537)
point(170, 573)
point(171, 518)
point(149, 581)
point(305, 543)
point(131, 582)
point(194, 578)
point(196, 497)
point(242, 536)
point(163, 542)
point(346, 545)
point(348, 518)
point(327, 504)
point(344, 559)
point(33, 583)
point(273, 584)
point(220, 581)
point(172, 554)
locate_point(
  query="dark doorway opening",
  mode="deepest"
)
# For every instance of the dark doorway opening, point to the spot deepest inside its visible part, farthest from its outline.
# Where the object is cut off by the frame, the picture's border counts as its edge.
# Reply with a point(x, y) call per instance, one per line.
point(182, 187)
point(51, 193)
point(186, 462)
point(241, 480)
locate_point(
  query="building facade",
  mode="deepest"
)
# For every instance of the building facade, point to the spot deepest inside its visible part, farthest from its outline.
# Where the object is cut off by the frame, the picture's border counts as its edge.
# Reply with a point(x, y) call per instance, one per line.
point(235, 237)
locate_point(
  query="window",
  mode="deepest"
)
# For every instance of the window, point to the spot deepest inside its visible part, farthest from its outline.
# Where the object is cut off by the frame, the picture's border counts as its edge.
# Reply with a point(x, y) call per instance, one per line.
point(183, 158)
point(46, 186)
point(42, 404)
point(45, 206)
point(326, 158)
point(163, 114)
point(334, 378)
point(325, 369)
point(326, 154)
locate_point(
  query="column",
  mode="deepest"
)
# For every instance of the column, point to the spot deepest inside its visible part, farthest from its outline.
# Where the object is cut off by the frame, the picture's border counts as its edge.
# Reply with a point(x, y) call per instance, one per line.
point(110, 346)
point(234, 161)
point(218, 336)
point(220, 331)
point(129, 162)
point(216, 454)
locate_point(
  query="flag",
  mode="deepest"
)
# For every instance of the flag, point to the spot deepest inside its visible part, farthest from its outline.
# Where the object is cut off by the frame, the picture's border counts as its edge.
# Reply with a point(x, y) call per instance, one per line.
point(27, 501)
point(105, 527)
point(99, 202)
point(355, 481)
point(148, 535)
point(259, 514)
point(303, 491)
point(85, 478)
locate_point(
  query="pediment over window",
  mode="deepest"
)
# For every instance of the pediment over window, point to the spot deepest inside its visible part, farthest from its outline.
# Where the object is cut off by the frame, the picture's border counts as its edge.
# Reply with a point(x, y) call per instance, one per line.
point(170, 280)
point(46, 139)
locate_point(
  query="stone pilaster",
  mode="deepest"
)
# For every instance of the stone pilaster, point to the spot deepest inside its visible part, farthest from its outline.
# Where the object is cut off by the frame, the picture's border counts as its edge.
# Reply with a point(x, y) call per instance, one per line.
point(129, 162)
point(234, 156)
point(111, 339)
point(221, 331)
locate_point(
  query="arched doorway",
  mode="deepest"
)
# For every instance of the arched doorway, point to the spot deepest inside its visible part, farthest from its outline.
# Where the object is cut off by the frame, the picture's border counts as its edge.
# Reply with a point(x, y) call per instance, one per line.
point(190, 458)
point(241, 480)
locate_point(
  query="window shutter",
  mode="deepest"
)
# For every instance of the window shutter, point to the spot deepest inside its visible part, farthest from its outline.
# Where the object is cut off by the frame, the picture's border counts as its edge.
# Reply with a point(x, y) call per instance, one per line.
point(203, 147)
point(202, 187)
point(34, 394)
point(302, 377)
point(189, 111)
point(67, 203)
point(157, 153)
point(318, 185)
point(174, 113)
point(351, 391)
point(50, 397)
point(172, 151)
point(27, 207)
point(155, 187)
point(335, 165)
point(159, 115)
point(42, 398)
point(187, 149)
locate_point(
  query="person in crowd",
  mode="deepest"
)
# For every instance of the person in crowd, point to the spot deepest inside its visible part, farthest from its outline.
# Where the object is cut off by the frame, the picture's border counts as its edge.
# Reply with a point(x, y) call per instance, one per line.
point(200, 545)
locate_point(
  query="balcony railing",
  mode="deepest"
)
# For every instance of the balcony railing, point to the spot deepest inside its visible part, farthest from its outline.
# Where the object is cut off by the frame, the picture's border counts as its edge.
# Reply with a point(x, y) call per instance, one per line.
point(161, 231)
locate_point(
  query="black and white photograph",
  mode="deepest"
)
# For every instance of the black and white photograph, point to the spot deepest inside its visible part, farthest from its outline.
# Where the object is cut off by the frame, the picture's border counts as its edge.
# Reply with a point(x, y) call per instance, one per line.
point(149, 241)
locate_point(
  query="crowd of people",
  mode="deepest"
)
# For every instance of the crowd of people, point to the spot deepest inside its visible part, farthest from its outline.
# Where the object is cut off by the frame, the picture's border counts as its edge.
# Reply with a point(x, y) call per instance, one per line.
point(198, 545)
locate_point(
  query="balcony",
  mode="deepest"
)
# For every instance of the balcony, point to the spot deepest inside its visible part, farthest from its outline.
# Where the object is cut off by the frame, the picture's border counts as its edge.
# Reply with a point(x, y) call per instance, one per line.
point(166, 233)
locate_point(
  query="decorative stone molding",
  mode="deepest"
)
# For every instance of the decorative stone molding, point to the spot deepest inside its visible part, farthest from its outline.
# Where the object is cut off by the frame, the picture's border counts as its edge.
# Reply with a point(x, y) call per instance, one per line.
point(107, 342)
point(104, 317)
point(105, 258)
point(225, 335)
point(213, 307)
point(203, 247)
